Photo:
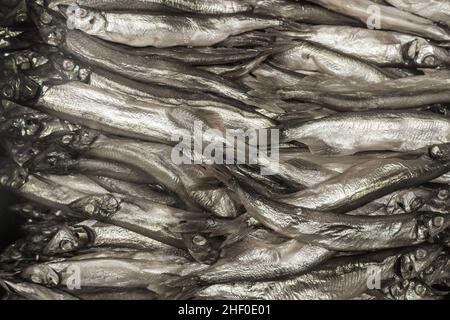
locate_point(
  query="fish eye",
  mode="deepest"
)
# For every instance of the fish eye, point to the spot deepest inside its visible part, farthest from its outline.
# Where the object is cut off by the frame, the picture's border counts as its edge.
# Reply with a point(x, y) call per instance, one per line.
point(92, 20)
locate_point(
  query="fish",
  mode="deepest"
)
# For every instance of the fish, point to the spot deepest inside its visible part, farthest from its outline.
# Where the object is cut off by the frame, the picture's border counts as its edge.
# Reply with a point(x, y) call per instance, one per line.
point(32, 291)
point(383, 48)
point(91, 233)
point(194, 6)
point(352, 132)
point(334, 231)
point(342, 278)
point(310, 57)
point(366, 182)
point(141, 29)
point(438, 272)
point(435, 10)
point(389, 18)
point(58, 163)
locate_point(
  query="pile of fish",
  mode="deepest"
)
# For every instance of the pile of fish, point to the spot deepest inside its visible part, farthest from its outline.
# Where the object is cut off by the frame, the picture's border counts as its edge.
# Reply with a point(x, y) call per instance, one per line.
point(356, 205)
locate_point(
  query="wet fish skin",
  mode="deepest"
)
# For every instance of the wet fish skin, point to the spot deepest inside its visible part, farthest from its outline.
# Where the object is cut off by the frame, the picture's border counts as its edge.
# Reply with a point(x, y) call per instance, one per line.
point(382, 48)
point(91, 233)
point(435, 10)
point(155, 160)
point(202, 6)
point(306, 56)
point(138, 215)
point(162, 30)
point(391, 18)
point(31, 291)
point(366, 182)
point(137, 190)
point(429, 129)
point(117, 273)
point(270, 258)
point(336, 231)
point(412, 290)
point(338, 279)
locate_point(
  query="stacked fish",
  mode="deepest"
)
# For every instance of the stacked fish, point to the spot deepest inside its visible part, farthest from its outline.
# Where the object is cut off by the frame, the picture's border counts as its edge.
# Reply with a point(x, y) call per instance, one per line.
point(356, 205)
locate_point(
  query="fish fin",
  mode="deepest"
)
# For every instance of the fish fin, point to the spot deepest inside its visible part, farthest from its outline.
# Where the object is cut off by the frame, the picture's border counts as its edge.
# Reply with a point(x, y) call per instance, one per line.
point(186, 118)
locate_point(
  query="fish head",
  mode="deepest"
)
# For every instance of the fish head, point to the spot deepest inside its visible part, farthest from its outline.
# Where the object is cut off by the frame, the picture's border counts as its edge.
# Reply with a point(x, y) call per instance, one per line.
point(88, 21)
point(202, 248)
point(67, 239)
point(414, 289)
point(426, 55)
point(41, 274)
point(53, 160)
point(19, 88)
point(414, 262)
point(12, 176)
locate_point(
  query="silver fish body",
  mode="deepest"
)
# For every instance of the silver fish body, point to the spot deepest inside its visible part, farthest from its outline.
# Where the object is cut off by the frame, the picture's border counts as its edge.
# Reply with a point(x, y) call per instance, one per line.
point(202, 6)
point(435, 10)
point(309, 57)
point(163, 31)
point(379, 47)
point(366, 182)
point(348, 133)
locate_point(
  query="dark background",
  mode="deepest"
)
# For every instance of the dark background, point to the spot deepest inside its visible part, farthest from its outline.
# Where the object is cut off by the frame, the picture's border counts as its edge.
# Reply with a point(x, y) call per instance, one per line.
point(9, 222)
